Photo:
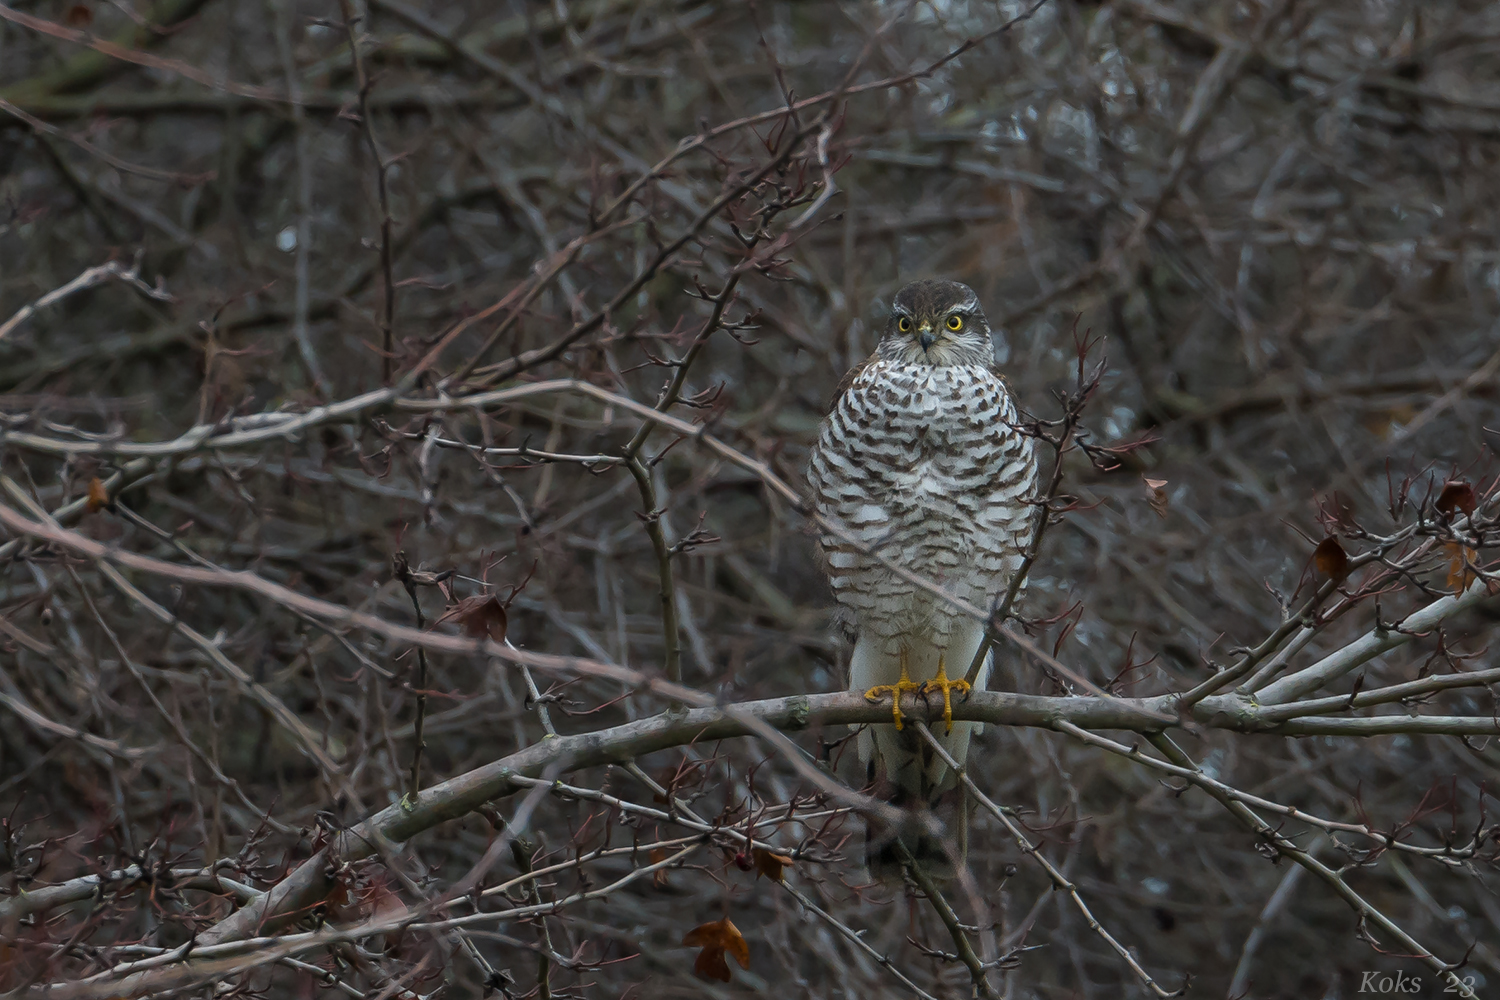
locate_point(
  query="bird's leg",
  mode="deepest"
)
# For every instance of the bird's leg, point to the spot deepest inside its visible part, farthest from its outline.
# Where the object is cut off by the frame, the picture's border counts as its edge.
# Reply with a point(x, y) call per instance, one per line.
point(895, 690)
point(941, 682)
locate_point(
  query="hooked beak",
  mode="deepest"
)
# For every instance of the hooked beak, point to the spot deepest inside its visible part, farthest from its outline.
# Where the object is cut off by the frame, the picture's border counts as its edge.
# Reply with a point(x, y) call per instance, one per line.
point(926, 337)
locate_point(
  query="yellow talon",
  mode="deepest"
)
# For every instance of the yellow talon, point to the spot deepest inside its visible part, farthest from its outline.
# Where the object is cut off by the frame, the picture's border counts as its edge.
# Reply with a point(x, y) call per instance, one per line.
point(895, 690)
point(942, 682)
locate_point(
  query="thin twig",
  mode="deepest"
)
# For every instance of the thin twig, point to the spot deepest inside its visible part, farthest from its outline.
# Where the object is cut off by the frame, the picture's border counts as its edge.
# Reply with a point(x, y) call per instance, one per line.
point(1283, 845)
point(88, 279)
point(403, 573)
point(303, 265)
point(1059, 880)
point(382, 166)
point(1043, 519)
point(950, 919)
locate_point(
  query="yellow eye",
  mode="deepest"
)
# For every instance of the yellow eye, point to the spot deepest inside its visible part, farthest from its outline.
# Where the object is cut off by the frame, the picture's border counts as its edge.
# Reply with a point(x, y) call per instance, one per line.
point(904, 324)
point(955, 322)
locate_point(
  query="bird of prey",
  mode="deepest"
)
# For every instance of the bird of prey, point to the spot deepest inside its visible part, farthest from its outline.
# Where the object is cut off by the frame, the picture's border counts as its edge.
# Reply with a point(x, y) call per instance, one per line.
point(920, 465)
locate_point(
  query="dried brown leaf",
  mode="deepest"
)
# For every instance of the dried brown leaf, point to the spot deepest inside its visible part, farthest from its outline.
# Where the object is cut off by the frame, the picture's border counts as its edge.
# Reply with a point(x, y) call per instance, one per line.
point(715, 939)
point(770, 865)
point(1461, 562)
point(1383, 423)
point(658, 855)
point(1156, 494)
point(98, 495)
point(1331, 559)
point(1457, 495)
point(481, 615)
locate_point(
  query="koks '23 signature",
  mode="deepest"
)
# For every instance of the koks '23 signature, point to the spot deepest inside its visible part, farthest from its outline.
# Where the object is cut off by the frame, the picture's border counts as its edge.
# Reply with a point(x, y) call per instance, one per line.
point(1400, 982)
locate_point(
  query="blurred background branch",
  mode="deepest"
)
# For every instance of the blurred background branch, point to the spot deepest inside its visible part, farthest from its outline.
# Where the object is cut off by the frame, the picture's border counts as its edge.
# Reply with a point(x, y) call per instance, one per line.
point(289, 288)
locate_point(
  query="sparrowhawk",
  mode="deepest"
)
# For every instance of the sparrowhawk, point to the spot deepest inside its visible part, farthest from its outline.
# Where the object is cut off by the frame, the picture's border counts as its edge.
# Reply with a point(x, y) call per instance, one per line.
point(921, 463)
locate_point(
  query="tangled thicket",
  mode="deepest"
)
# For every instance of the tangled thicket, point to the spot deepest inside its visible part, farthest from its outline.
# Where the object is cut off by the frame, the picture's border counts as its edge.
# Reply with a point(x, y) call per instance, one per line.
point(404, 579)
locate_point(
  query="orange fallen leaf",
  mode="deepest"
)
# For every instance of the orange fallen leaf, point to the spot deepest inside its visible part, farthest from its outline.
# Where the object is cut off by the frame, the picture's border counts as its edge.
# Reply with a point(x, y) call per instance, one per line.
point(1331, 559)
point(715, 939)
point(770, 864)
point(481, 615)
point(1461, 560)
point(98, 495)
point(1457, 495)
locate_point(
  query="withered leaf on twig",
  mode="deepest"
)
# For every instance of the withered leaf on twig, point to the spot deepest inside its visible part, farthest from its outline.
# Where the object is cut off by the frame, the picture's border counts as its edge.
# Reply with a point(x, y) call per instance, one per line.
point(1457, 495)
point(481, 615)
point(658, 855)
point(1461, 561)
point(715, 939)
point(770, 865)
point(1156, 493)
point(1331, 559)
point(98, 495)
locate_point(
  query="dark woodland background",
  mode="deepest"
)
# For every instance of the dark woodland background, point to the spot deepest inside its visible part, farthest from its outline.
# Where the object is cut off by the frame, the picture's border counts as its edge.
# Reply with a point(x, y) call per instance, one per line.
point(1280, 218)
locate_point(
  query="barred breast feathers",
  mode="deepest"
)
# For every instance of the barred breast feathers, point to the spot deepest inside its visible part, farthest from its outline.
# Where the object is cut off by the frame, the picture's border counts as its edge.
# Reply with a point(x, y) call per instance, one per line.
point(924, 463)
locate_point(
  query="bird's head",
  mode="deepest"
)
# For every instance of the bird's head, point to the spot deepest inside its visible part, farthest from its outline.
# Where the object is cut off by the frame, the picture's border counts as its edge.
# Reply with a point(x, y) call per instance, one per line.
point(938, 323)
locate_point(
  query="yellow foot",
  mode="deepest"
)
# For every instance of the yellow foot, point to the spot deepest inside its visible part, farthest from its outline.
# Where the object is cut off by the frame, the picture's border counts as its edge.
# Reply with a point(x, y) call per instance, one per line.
point(895, 690)
point(942, 683)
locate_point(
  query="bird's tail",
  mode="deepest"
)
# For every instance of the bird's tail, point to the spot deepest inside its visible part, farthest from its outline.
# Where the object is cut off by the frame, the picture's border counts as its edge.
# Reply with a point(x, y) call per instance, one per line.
point(911, 775)
point(937, 847)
